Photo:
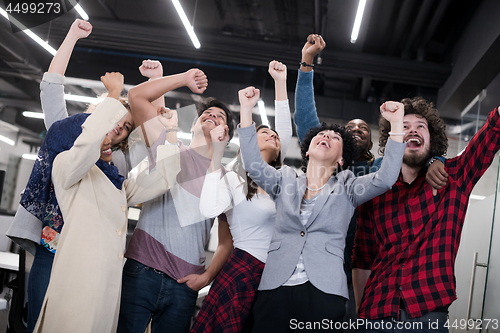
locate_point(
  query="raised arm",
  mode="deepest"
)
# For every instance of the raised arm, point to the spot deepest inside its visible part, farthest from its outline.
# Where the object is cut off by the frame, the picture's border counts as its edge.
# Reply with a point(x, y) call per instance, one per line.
point(467, 168)
point(283, 121)
point(72, 165)
point(51, 87)
point(142, 96)
point(153, 69)
point(262, 173)
point(305, 116)
point(377, 183)
point(216, 195)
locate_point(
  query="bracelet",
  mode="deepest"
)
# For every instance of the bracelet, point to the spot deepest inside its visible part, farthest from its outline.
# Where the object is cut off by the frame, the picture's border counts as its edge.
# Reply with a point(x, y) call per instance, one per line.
point(401, 134)
point(430, 161)
point(306, 65)
point(172, 129)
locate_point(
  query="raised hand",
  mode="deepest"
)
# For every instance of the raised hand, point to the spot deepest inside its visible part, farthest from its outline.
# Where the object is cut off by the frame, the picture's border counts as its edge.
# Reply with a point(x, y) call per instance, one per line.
point(151, 69)
point(248, 97)
point(277, 70)
point(393, 111)
point(314, 45)
point(220, 134)
point(197, 81)
point(113, 83)
point(80, 29)
point(168, 118)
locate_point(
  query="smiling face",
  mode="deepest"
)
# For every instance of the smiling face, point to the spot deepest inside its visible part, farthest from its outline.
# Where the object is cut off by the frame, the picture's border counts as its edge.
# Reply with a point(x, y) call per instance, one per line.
point(269, 144)
point(122, 130)
point(326, 146)
point(361, 133)
point(211, 118)
point(106, 149)
point(418, 140)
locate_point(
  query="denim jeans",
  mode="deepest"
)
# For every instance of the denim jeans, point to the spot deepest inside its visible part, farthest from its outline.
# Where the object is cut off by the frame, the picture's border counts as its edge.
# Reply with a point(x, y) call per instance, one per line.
point(150, 294)
point(37, 284)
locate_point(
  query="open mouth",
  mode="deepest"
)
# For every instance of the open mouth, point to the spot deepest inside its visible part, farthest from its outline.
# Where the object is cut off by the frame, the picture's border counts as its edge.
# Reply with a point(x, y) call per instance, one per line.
point(211, 121)
point(323, 143)
point(106, 152)
point(357, 137)
point(116, 131)
point(414, 143)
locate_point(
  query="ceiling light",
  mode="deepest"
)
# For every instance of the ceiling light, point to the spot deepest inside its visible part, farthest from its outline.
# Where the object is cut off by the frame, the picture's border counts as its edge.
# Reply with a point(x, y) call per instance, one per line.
point(30, 157)
point(477, 197)
point(83, 99)
point(357, 21)
point(7, 140)
point(186, 23)
point(28, 32)
point(262, 110)
point(31, 114)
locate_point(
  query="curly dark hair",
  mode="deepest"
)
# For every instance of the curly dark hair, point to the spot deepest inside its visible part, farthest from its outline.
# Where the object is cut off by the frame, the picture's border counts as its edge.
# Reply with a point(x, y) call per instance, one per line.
point(437, 128)
point(214, 102)
point(349, 147)
point(238, 168)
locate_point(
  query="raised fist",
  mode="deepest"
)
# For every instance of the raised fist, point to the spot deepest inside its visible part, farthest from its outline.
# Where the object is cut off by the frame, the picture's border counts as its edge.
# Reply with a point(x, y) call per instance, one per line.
point(80, 29)
point(197, 81)
point(277, 70)
point(168, 118)
point(248, 97)
point(314, 45)
point(151, 69)
point(393, 111)
point(113, 83)
point(220, 133)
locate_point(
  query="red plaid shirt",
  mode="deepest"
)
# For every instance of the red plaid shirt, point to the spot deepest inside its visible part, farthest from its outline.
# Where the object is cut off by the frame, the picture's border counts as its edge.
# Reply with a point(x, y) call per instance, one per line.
point(409, 239)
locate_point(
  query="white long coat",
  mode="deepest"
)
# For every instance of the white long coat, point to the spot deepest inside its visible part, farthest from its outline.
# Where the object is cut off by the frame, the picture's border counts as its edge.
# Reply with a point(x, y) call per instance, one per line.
point(85, 285)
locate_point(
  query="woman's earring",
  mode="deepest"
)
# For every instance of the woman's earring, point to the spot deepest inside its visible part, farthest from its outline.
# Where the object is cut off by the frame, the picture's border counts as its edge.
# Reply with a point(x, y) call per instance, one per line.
point(307, 153)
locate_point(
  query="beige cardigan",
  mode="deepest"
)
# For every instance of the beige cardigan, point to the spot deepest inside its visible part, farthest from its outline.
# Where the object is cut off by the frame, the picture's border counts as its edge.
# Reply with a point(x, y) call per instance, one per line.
point(85, 285)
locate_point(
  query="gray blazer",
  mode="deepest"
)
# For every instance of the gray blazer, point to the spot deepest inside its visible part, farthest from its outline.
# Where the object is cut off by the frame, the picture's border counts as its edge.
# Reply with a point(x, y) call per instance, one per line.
point(322, 240)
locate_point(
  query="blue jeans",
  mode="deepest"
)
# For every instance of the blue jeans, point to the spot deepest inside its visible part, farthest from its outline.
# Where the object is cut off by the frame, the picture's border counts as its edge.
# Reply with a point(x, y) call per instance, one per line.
point(38, 282)
point(150, 294)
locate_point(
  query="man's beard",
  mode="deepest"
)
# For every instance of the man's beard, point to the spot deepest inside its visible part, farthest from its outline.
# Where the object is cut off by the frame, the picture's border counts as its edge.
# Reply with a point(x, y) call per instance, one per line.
point(416, 160)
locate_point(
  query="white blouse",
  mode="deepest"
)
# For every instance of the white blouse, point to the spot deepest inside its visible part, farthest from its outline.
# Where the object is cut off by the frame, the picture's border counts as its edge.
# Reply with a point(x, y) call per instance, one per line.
point(251, 222)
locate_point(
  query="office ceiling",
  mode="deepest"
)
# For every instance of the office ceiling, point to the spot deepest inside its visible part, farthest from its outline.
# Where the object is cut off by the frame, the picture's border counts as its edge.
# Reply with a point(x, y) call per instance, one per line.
point(405, 48)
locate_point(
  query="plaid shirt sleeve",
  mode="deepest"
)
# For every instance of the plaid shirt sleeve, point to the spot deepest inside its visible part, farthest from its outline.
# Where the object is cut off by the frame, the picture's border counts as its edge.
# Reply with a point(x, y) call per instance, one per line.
point(467, 168)
point(365, 248)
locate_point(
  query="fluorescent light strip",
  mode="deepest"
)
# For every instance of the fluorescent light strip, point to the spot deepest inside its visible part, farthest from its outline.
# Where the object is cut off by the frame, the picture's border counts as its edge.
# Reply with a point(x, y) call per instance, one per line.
point(79, 10)
point(31, 114)
point(82, 13)
point(186, 23)
point(262, 110)
point(30, 157)
point(83, 99)
point(28, 32)
point(7, 140)
point(357, 21)
point(477, 197)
